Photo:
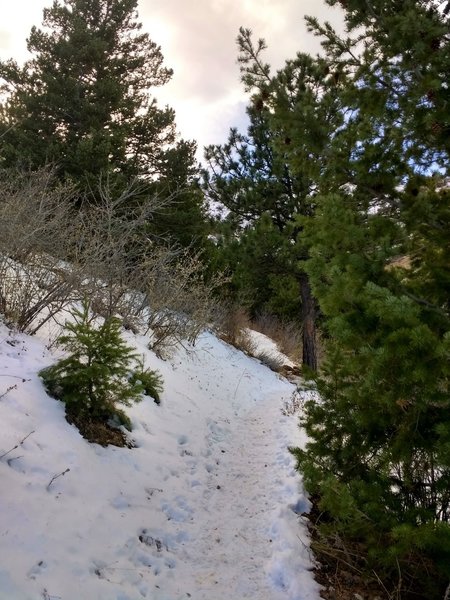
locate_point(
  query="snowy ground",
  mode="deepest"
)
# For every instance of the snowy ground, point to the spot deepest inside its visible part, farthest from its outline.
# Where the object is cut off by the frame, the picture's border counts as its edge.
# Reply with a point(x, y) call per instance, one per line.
point(205, 507)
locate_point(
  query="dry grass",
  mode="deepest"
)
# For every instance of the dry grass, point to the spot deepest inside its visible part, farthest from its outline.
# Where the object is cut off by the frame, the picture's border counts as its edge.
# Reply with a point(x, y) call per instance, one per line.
point(274, 361)
point(232, 323)
point(399, 262)
point(245, 342)
point(287, 336)
point(233, 327)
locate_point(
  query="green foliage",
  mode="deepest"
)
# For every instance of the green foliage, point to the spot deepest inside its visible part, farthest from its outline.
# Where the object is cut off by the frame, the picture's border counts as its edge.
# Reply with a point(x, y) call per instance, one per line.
point(97, 374)
point(85, 103)
point(378, 456)
point(182, 219)
point(263, 279)
point(271, 176)
point(82, 100)
point(148, 381)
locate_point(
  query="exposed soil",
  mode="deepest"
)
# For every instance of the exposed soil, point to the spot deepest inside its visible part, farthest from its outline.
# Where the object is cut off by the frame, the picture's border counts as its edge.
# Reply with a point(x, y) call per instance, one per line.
point(99, 432)
point(339, 575)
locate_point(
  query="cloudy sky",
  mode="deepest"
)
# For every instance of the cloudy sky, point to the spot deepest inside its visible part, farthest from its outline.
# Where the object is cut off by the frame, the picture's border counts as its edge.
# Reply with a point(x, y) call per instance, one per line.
point(197, 38)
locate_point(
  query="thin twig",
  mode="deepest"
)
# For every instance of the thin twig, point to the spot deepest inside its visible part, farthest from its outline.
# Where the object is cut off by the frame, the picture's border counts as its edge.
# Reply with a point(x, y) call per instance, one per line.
point(447, 593)
point(17, 445)
point(9, 389)
point(239, 383)
point(328, 550)
point(380, 582)
point(400, 579)
point(56, 477)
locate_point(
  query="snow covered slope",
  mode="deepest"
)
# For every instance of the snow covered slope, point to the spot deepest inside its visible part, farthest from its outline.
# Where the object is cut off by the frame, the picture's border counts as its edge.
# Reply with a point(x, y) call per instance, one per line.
point(205, 507)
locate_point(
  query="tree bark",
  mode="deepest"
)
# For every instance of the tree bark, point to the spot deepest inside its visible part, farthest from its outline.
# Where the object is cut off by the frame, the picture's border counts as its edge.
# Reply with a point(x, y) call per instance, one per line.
point(308, 315)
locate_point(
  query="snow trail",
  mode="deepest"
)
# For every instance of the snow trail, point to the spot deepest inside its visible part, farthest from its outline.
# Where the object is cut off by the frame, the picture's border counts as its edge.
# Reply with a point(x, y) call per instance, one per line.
point(248, 540)
point(240, 503)
point(206, 507)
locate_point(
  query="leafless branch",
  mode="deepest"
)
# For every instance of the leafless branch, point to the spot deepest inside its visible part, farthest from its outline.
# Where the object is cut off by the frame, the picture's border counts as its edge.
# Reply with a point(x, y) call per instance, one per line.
point(17, 445)
point(56, 477)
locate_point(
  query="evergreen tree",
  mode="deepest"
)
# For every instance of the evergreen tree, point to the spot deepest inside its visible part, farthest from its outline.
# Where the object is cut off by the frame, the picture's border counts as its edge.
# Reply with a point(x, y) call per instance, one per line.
point(84, 102)
point(183, 220)
point(265, 272)
point(97, 374)
point(245, 177)
point(83, 99)
point(274, 171)
point(378, 457)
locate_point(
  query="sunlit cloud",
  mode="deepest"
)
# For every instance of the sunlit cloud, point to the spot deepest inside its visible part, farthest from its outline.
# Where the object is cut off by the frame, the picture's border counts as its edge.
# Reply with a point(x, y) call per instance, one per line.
point(198, 41)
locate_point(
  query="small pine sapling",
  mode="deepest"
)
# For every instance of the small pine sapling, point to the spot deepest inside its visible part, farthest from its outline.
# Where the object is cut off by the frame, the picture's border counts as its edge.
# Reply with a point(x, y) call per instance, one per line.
point(96, 374)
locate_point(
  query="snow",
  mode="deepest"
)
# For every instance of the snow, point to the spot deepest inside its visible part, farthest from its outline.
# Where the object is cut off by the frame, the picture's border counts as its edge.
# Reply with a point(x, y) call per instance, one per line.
point(267, 346)
point(206, 506)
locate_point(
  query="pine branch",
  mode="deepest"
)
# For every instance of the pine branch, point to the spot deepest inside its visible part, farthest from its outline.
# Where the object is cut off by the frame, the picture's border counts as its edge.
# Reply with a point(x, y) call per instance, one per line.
point(424, 302)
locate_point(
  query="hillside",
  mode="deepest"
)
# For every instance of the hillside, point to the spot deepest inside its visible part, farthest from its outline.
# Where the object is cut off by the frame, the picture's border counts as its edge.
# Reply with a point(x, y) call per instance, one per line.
point(205, 506)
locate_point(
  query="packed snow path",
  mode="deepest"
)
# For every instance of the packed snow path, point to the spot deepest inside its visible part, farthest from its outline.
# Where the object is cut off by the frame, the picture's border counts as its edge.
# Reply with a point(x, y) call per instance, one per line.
point(205, 507)
point(240, 550)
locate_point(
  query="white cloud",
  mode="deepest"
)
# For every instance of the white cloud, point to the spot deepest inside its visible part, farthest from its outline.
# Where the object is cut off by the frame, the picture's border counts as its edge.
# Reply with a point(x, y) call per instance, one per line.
point(198, 40)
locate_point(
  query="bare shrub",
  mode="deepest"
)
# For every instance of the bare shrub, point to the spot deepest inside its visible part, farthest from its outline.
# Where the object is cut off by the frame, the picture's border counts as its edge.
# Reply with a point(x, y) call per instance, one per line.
point(156, 287)
point(289, 341)
point(52, 254)
point(234, 319)
point(234, 325)
point(181, 304)
point(152, 287)
point(235, 328)
point(111, 250)
point(34, 291)
point(36, 232)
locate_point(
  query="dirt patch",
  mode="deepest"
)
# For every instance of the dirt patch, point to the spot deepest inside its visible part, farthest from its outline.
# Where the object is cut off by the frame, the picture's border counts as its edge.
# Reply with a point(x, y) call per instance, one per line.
point(338, 569)
point(99, 432)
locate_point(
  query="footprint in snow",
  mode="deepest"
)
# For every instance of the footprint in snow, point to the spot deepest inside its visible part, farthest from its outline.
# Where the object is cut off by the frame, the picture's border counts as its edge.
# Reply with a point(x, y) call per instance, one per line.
point(300, 507)
point(185, 452)
point(180, 511)
point(37, 569)
point(153, 553)
point(148, 540)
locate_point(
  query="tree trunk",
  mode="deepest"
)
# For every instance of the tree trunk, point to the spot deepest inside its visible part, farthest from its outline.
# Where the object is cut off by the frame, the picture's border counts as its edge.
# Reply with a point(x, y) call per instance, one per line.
point(308, 323)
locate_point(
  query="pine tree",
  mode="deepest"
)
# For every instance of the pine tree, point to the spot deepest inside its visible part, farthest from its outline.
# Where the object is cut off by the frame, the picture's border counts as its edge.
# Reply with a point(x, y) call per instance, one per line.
point(83, 101)
point(183, 220)
point(274, 171)
point(97, 373)
point(264, 271)
point(379, 451)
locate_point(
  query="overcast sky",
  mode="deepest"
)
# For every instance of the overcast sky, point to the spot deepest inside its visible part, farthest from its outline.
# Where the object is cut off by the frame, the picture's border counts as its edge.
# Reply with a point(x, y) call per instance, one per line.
point(197, 38)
